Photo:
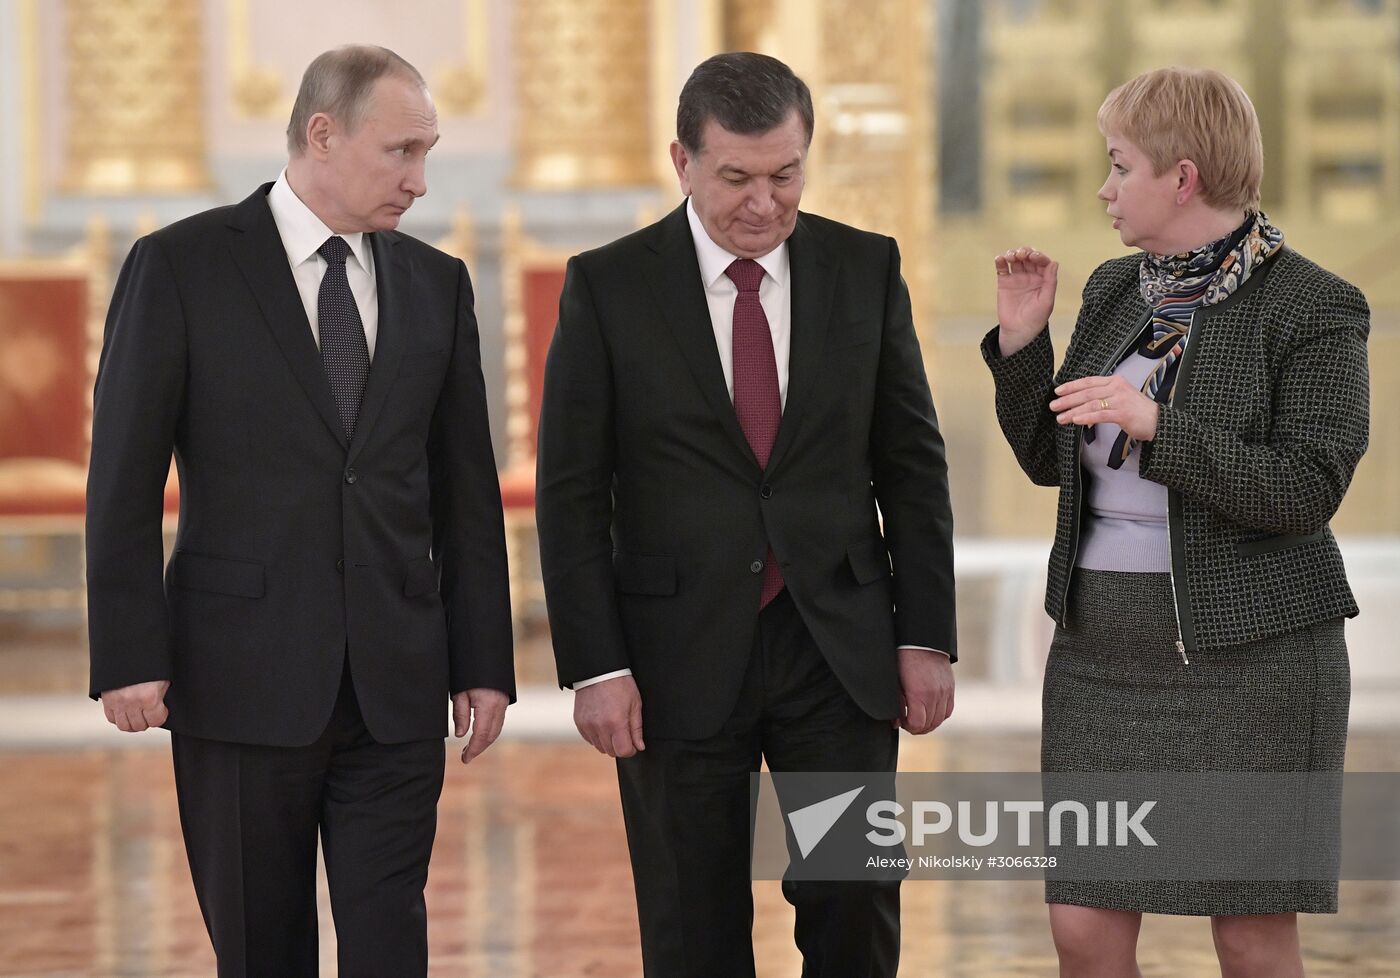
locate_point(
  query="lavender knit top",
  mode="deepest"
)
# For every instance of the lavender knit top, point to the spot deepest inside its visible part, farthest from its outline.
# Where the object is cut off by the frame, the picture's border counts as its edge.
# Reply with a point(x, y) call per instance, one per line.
point(1126, 529)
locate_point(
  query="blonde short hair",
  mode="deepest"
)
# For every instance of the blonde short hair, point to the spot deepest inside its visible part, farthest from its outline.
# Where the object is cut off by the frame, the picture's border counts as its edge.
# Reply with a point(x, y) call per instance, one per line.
point(1196, 114)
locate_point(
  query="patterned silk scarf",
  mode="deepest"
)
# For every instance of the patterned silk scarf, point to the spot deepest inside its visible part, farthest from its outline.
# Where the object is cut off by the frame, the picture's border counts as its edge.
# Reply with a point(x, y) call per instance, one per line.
point(1175, 286)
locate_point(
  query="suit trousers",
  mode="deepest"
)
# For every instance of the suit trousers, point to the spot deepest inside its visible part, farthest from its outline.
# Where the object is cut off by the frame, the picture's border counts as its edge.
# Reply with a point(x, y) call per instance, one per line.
point(686, 804)
point(251, 815)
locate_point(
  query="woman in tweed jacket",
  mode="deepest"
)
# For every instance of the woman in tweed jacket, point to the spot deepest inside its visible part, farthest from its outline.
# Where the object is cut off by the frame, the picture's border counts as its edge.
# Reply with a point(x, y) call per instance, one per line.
point(1203, 427)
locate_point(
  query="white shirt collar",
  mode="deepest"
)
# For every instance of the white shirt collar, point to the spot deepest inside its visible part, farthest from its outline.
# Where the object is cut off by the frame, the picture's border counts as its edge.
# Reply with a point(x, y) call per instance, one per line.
point(302, 231)
point(714, 259)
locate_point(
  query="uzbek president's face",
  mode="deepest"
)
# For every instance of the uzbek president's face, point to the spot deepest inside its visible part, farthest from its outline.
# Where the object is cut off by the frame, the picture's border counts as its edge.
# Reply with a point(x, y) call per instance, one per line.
point(745, 189)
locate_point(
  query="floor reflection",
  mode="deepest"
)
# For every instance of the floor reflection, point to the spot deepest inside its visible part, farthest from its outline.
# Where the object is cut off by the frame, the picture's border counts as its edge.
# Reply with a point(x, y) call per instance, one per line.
point(530, 878)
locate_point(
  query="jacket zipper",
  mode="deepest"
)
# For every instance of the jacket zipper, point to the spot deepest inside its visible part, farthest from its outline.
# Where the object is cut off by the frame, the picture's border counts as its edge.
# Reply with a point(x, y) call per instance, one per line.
point(1175, 531)
point(1076, 485)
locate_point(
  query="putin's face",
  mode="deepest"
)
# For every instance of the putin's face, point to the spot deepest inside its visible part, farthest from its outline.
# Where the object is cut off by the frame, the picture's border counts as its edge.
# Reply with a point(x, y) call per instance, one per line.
point(377, 170)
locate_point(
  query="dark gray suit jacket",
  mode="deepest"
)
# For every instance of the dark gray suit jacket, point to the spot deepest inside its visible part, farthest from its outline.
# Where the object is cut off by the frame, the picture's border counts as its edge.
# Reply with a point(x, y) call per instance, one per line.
point(654, 514)
point(1268, 422)
point(294, 547)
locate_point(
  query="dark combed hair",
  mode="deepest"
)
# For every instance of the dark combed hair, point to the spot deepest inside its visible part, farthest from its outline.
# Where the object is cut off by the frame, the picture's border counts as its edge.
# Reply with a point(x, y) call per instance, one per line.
point(745, 93)
point(339, 83)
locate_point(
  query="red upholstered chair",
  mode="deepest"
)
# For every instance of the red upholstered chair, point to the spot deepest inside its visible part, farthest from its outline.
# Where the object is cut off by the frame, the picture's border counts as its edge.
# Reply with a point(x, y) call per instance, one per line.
point(45, 389)
point(51, 316)
point(532, 278)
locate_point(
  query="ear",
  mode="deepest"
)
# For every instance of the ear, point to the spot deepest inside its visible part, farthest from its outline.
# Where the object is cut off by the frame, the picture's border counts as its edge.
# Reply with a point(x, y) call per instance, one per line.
point(680, 159)
point(1188, 181)
point(319, 129)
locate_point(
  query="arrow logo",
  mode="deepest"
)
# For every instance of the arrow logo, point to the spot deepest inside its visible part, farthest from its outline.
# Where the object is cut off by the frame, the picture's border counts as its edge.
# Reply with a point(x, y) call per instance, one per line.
point(811, 824)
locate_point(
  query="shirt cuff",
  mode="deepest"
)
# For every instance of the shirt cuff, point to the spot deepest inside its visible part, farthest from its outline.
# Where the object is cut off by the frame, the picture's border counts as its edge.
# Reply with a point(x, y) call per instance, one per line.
point(915, 648)
point(598, 679)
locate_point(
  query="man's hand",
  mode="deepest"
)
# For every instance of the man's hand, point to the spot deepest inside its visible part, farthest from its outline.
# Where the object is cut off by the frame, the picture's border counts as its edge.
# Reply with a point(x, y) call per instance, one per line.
point(609, 716)
point(926, 689)
point(135, 708)
point(483, 712)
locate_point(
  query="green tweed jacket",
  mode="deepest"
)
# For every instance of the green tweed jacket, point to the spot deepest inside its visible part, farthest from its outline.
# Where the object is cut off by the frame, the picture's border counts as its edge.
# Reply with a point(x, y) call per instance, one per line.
point(1257, 447)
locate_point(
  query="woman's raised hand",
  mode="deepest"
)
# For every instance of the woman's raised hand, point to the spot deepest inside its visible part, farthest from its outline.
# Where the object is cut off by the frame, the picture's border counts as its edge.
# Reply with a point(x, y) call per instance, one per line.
point(1026, 281)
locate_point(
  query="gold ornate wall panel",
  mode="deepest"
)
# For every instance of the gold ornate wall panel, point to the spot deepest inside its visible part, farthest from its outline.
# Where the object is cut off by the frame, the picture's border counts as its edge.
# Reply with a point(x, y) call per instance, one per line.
point(134, 90)
point(873, 163)
point(750, 25)
point(260, 89)
point(1044, 82)
point(1342, 101)
point(582, 80)
point(1207, 33)
point(459, 88)
point(868, 65)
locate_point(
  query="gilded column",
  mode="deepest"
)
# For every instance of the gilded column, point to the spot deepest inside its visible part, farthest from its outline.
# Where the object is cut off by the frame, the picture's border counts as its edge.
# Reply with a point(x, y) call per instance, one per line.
point(873, 163)
point(582, 84)
point(868, 65)
point(751, 25)
point(134, 96)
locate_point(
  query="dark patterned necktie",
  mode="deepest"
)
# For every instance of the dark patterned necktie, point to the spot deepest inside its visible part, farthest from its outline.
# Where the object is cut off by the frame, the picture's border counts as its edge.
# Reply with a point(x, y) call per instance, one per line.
point(756, 398)
point(344, 352)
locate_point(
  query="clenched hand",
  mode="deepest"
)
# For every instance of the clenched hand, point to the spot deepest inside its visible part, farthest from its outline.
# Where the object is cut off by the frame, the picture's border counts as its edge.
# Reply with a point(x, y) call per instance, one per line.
point(136, 708)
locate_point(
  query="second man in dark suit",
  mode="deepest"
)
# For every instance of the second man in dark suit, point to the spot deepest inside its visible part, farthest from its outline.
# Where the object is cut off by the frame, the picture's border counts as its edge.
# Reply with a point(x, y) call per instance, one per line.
point(733, 399)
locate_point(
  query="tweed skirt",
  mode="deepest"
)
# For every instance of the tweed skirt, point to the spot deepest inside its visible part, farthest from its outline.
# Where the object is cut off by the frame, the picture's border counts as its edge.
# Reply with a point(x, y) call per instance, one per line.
point(1118, 697)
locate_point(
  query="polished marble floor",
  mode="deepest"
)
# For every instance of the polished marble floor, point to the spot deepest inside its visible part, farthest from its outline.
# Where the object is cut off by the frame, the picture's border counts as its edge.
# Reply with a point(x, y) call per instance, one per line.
point(530, 878)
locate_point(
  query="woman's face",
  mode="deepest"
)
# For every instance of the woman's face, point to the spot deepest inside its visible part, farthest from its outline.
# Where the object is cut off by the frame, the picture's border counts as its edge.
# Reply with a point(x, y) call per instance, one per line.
point(1143, 206)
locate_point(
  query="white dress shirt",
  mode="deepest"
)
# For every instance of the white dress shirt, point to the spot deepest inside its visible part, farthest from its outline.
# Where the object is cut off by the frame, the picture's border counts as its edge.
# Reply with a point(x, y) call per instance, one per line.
point(774, 294)
point(302, 233)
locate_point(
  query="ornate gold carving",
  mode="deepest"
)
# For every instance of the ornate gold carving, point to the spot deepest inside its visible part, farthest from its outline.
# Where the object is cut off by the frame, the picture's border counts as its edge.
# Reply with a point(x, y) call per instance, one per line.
point(135, 114)
point(749, 25)
point(460, 89)
point(460, 240)
point(28, 17)
point(1210, 33)
point(1044, 84)
point(582, 83)
point(257, 89)
point(261, 91)
point(873, 153)
point(1341, 96)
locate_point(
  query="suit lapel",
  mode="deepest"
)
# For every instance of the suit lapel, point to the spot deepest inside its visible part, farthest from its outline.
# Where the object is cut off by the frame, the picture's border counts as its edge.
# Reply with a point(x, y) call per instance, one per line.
point(393, 277)
point(258, 252)
point(813, 282)
point(675, 281)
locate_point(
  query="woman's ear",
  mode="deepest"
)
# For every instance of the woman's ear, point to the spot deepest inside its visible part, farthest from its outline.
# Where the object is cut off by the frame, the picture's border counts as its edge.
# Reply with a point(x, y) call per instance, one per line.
point(1188, 181)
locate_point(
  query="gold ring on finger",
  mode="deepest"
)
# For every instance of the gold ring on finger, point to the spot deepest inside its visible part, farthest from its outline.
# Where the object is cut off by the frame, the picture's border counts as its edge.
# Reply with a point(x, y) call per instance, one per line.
point(1103, 403)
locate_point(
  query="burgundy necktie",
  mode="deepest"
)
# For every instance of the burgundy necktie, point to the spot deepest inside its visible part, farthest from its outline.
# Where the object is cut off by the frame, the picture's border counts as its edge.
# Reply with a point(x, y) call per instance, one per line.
point(756, 398)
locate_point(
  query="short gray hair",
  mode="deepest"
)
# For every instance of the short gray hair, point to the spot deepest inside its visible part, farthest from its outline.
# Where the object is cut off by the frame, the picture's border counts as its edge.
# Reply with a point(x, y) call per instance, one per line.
point(339, 83)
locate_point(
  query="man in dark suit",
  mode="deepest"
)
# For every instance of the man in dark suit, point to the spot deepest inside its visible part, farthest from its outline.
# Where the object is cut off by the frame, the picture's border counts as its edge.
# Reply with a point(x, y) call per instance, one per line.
point(729, 395)
point(339, 568)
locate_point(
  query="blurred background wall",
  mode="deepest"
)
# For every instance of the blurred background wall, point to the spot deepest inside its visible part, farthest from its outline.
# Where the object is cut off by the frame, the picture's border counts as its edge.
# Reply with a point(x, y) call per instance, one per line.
point(960, 127)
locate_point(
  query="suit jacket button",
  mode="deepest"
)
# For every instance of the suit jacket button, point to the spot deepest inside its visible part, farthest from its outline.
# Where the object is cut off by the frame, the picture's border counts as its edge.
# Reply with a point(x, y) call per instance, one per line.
point(350, 477)
point(340, 566)
point(756, 567)
point(766, 491)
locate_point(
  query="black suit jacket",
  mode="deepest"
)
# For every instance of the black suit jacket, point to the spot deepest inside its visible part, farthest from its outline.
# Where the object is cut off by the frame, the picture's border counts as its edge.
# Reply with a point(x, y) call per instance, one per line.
point(654, 514)
point(294, 547)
